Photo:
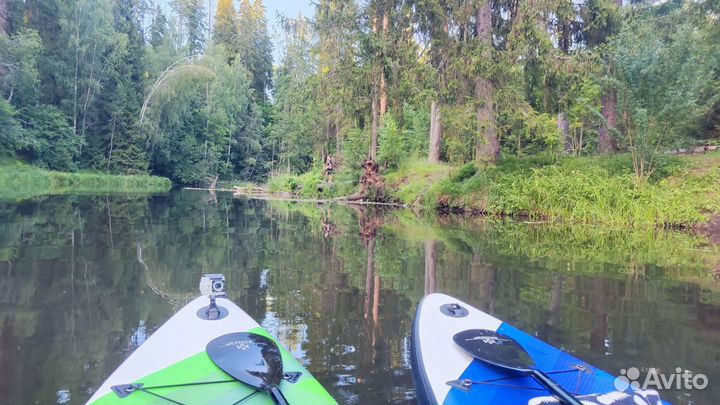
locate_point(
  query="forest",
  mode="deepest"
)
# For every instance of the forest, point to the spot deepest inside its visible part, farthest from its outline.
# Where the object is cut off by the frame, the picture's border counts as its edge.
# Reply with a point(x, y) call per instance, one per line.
point(136, 86)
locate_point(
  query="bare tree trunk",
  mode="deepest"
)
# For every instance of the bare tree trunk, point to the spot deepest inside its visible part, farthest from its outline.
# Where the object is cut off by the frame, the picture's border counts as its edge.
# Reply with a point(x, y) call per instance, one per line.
point(383, 80)
point(563, 125)
point(606, 140)
point(487, 147)
point(328, 137)
point(374, 128)
point(431, 248)
point(338, 141)
point(383, 93)
point(374, 118)
point(77, 69)
point(112, 140)
point(435, 132)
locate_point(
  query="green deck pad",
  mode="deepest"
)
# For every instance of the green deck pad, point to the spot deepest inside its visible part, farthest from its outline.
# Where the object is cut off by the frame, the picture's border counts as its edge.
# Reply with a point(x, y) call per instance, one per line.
point(200, 368)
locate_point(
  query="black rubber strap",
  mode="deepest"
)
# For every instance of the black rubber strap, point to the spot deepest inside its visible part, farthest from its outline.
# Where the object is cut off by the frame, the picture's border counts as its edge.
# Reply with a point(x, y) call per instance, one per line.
point(189, 384)
point(246, 397)
point(570, 370)
point(160, 396)
point(147, 390)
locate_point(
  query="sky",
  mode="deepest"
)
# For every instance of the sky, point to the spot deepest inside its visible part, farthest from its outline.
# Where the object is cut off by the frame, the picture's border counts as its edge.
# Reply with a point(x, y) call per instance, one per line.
point(289, 8)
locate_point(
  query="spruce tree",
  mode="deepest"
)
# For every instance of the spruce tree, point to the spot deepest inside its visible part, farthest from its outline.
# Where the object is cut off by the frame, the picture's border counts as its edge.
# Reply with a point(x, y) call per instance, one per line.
point(124, 144)
point(225, 28)
point(255, 47)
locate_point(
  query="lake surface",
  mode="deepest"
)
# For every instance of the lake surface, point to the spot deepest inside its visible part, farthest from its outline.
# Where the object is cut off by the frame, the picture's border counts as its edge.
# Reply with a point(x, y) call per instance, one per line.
point(84, 280)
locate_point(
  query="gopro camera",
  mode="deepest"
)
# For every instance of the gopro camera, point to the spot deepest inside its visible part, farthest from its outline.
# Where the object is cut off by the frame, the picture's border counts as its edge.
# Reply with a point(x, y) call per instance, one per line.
point(212, 285)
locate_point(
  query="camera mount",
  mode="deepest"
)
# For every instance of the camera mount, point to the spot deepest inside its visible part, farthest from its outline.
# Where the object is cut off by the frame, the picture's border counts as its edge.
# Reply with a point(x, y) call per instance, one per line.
point(212, 285)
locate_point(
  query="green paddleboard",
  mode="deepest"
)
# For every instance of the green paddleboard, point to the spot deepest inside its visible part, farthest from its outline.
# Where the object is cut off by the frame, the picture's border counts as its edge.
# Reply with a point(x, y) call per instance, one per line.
point(173, 367)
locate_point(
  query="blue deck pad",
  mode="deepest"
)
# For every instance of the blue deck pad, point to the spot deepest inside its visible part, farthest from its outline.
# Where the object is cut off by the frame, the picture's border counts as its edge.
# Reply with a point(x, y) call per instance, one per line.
point(547, 359)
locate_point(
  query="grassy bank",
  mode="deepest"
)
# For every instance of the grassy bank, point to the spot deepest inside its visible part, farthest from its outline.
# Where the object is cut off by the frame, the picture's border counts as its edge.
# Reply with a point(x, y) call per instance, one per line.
point(313, 185)
point(19, 181)
point(683, 191)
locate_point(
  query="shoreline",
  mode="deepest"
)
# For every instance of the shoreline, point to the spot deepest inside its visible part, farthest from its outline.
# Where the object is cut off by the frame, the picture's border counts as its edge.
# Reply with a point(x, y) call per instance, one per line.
point(20, 181)
point(681, 195)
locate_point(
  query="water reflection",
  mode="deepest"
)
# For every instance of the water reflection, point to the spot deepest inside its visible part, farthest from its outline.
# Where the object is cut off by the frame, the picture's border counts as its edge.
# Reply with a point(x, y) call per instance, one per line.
point(84, 280)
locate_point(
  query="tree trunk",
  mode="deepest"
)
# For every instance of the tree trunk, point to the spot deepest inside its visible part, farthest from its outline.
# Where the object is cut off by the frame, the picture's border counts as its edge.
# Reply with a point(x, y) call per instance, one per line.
point(383, 79)
point(606, 140)
point(338, 114)
point(487, 147)
point(563, 125)
point(435, 132)
point(374, 127)
point(374, 115)
point(383, 93)
point(431, 248)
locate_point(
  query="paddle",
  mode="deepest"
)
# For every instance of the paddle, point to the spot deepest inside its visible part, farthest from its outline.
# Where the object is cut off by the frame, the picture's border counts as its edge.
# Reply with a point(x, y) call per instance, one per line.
point(252, 359)
point(504, 352)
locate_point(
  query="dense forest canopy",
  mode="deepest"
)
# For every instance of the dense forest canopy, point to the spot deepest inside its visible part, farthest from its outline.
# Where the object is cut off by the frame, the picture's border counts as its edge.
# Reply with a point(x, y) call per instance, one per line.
point(126, 86)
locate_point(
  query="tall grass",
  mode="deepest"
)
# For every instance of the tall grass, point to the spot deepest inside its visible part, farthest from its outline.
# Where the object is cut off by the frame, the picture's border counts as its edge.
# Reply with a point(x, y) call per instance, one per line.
point(604, 190)
point(313, 184)
point(19, 181)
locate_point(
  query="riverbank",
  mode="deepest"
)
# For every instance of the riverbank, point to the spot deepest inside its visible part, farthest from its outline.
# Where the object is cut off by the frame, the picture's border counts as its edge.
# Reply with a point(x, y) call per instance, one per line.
point(20, 181)
point(681, 193)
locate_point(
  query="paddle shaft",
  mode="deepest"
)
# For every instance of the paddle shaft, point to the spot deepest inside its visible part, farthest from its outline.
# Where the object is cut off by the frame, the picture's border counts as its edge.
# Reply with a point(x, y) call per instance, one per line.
point(279, 398)
point(554, 387)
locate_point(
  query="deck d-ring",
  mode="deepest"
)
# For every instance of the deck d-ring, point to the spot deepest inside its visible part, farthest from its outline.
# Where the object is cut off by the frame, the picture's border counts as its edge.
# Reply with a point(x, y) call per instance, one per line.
point(454, 310)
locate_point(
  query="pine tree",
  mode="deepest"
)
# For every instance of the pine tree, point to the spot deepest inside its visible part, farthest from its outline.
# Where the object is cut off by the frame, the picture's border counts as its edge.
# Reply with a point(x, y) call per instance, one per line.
point(225, 29)
point(192, 16)
point(158, 28)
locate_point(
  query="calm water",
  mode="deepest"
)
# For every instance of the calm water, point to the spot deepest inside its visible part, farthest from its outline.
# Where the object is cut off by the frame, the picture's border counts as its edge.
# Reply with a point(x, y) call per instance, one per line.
point(84, 280)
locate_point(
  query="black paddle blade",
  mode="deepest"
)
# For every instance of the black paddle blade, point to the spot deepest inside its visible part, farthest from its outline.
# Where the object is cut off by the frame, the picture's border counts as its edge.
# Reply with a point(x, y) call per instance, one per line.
point(491, 347)
point(250, 358)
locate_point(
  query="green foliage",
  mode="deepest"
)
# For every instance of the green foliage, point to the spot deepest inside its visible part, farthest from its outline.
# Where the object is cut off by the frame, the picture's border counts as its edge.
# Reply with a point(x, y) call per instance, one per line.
point(459, 133)
point(9, 128)
point(313, 184)
point(667, 68)
point(415, 130)
point(203, 123)
point(533, 133)
point(253, 45)
point(49, 140)
point(225, 28)
point(77, 76)
point(158, 28)
point(576, 190)
point(19, 76)
point(192, 14)
point(21, 181)
point(392, 150)
point(464, 172)
point(355, 147)
point(295, 133)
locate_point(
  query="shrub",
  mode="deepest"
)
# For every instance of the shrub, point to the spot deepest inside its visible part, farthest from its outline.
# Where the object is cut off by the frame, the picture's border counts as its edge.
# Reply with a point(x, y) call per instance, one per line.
point(464, 172)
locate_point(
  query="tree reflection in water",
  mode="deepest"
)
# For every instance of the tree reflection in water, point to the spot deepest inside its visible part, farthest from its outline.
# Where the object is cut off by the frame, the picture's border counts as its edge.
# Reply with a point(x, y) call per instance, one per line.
point(83, 280)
